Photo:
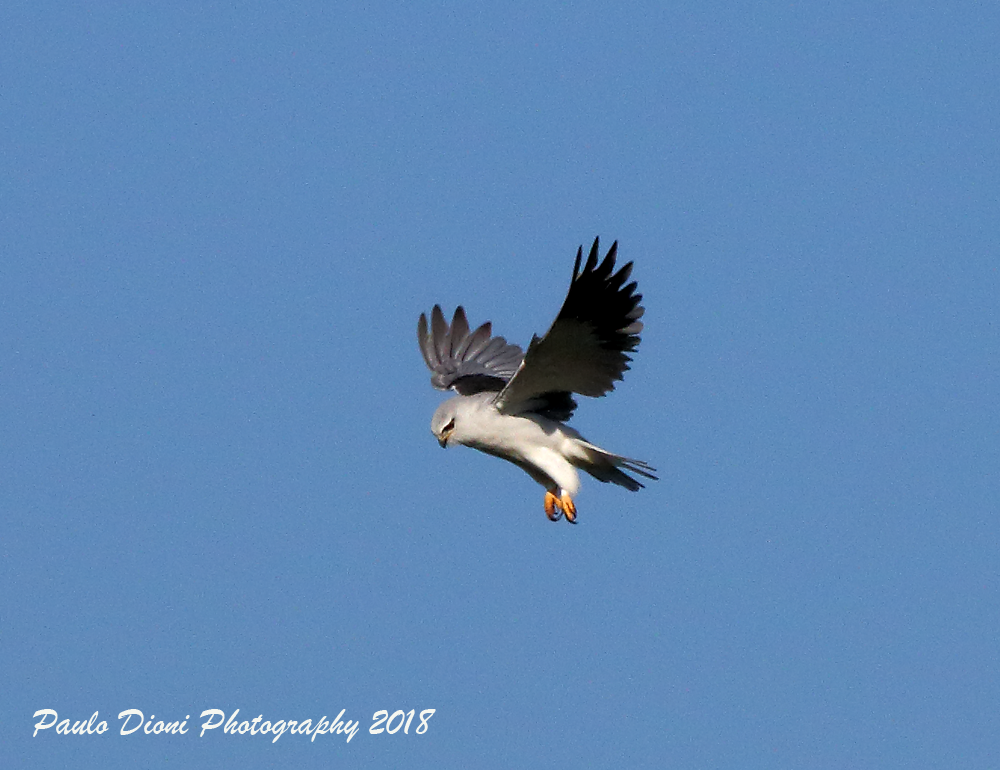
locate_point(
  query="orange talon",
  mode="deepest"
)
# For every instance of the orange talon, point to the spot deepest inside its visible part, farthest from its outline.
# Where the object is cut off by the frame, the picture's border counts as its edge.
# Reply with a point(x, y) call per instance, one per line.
point(553, 506)
point(568, 507)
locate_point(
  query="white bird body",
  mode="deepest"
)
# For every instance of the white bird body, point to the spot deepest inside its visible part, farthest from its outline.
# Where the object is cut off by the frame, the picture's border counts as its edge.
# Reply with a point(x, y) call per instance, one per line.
point(529, 441)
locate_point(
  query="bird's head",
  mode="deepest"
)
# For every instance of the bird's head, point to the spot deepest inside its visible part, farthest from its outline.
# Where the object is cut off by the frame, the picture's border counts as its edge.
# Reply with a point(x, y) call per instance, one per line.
point(443, 422)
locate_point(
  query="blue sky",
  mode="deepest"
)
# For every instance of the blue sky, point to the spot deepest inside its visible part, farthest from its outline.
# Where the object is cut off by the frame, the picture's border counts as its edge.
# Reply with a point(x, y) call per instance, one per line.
point(220, 491)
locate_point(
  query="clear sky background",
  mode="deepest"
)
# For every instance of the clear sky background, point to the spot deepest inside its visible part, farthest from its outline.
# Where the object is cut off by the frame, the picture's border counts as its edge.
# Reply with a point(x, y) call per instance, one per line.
point(218, 488)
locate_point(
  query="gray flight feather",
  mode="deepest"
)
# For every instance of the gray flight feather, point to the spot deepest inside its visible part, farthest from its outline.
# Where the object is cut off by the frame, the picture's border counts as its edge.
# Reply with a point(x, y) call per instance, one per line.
point(462, 361)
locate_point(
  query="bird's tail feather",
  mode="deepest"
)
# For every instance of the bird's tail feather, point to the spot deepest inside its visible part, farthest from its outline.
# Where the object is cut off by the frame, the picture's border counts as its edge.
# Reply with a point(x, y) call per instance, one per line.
point(607, 466)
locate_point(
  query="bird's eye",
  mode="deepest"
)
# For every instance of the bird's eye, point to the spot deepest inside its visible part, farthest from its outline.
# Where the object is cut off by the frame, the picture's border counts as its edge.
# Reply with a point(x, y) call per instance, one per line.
point(450, 426)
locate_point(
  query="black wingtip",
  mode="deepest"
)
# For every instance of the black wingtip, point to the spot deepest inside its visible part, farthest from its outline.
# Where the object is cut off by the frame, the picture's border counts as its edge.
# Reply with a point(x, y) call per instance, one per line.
point(606, 301)
point(593, 256)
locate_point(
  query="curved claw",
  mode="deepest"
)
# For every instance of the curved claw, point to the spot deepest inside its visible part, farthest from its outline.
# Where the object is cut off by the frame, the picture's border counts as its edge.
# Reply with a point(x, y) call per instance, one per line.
point(568, 507)
point(553, 506)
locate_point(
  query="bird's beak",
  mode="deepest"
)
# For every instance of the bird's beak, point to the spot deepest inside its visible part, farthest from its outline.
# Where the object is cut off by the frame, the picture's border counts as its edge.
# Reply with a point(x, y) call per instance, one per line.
point(443, 440)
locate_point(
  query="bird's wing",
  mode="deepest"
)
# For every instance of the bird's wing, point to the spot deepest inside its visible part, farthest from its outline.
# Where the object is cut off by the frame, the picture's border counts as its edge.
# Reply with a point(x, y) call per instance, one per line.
point(587, 348)
point(465, 361)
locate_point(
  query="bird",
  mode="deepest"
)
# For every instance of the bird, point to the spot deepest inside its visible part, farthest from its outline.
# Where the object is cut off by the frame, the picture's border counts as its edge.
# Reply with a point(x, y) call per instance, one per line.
point(515, 405)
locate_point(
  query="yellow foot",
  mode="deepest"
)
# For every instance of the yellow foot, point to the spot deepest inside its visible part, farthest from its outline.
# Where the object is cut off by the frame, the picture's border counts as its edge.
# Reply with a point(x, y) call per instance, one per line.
point(569, 508)
point(553, 506)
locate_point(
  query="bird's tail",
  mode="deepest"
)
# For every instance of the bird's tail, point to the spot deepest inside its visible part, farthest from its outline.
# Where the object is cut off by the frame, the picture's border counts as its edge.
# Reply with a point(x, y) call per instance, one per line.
point(607, 466)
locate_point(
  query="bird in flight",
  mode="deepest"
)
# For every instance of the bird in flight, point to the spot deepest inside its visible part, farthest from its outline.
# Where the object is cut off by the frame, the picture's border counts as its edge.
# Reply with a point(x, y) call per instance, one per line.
point(514, 404)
